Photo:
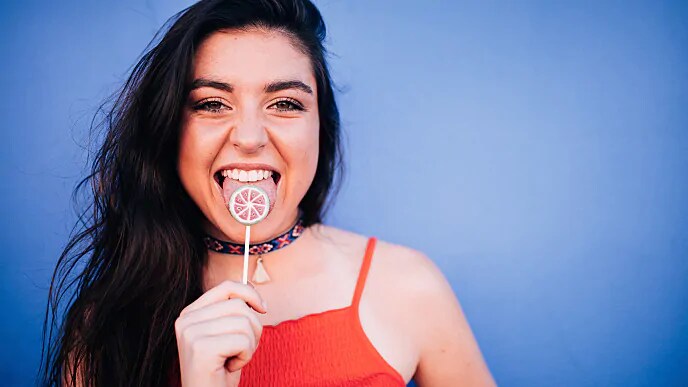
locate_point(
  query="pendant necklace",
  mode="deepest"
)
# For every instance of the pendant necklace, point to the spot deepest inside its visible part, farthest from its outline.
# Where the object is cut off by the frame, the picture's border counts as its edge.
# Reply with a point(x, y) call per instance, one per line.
point(260, 275)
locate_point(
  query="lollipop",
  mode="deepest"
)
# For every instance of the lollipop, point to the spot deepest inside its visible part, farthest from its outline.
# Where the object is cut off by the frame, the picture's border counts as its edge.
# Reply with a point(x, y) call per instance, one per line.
point(248, 205)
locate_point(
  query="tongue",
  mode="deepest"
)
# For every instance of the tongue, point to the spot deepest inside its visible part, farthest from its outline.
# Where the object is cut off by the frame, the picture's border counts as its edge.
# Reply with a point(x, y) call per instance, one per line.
point(231, 185)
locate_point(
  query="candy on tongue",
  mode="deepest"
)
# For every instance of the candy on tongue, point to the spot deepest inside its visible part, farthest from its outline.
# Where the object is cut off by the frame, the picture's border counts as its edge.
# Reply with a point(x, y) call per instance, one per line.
point(229, 186)
point(249, 204)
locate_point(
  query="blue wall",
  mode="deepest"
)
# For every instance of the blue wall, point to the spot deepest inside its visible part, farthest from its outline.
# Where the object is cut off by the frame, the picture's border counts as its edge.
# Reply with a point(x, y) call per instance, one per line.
point(556, 131)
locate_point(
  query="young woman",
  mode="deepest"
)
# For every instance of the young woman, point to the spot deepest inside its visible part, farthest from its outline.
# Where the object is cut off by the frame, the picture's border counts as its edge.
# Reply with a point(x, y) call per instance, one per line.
point(238, 92)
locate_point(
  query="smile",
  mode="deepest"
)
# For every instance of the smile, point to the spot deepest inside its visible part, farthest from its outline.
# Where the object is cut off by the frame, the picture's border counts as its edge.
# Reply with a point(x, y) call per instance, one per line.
point(246, 176)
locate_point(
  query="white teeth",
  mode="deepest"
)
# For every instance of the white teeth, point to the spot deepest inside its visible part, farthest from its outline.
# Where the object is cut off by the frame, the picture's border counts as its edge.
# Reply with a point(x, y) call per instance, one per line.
point(246, 176)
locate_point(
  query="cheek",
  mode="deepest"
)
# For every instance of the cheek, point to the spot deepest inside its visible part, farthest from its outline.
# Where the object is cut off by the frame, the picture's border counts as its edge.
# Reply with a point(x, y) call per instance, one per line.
point(195, 159)
point(306, 154)
point(312, 154)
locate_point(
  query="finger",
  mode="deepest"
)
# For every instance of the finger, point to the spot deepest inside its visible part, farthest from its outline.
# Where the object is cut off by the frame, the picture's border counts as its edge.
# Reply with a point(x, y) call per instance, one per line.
point(223, 325)
point(192, 335)
point(236, 347)
point(235, 306)
point(239, 360)
point(226, 290)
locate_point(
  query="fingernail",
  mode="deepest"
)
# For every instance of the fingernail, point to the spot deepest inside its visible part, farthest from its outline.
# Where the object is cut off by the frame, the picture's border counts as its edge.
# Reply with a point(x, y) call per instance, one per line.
point(265, 305)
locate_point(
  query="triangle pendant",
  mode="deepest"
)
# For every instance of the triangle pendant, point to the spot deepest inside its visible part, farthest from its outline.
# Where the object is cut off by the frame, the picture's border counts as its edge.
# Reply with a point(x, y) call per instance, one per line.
point(260, 275)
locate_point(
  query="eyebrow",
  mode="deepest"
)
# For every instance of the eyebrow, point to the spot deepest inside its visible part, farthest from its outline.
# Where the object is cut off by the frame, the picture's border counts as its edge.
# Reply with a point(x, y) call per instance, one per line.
point(284, 85)
point(204, 82)
point(269, 88)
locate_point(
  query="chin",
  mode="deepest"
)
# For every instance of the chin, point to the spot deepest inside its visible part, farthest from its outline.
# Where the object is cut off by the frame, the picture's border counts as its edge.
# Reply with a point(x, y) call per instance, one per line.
point(227, 228)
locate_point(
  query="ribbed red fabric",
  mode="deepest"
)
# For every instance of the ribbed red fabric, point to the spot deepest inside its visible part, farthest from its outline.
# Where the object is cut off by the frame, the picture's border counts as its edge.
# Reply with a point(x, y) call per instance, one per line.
point(321, 349)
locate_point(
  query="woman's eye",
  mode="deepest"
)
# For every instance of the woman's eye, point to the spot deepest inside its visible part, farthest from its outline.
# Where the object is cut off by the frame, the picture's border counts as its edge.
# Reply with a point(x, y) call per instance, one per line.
point(211, 106)
point(287, 105)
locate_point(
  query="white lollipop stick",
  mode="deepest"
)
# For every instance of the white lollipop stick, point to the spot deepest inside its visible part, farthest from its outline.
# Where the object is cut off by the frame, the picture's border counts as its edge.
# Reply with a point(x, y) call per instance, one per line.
point(248, 205)
point(247, 238)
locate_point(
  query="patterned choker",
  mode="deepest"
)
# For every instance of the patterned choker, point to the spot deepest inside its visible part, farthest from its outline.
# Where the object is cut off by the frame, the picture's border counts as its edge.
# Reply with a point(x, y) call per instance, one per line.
point(260, 275)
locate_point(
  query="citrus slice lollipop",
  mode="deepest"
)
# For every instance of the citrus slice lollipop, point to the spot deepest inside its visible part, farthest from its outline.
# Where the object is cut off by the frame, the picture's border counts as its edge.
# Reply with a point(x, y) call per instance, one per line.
point(249, 204)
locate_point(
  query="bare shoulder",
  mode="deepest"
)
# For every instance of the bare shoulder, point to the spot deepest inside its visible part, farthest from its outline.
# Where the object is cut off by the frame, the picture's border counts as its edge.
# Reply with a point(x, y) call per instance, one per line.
point(409, 272)
point(399, 276)
point(400, 279)
point(390, 260)
point(413, 271)
point(413, 282)
point(409, 294)
point(447, 349)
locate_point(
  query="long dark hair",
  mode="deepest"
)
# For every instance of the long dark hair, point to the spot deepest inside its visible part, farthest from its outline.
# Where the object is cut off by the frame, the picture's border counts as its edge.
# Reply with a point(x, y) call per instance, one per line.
point(135, 258)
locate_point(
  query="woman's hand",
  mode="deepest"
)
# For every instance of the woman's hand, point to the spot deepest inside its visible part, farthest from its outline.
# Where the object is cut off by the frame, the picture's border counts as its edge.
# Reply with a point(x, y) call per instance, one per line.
point(217, 335)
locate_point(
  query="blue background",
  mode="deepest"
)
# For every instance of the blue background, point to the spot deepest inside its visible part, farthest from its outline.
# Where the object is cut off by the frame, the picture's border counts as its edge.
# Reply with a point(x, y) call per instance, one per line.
point(537, 151)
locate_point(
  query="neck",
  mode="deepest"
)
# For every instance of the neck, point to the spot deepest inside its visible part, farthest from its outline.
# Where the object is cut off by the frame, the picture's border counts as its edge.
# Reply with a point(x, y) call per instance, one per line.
point(220, 266)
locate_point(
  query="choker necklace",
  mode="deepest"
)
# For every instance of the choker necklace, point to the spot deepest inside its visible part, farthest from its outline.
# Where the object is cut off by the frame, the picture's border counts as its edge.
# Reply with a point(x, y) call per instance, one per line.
point(260, 275)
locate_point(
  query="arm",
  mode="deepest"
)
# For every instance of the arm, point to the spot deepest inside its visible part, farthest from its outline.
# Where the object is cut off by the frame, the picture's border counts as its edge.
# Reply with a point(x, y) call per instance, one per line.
point(448, 352)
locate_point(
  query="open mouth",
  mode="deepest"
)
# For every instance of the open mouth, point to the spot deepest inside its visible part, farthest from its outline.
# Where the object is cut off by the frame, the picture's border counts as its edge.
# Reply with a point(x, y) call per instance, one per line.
point(230, 179)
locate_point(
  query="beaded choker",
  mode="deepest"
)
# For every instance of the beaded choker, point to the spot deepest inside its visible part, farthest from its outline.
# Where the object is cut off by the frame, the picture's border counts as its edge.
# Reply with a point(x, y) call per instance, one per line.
point(260, 275)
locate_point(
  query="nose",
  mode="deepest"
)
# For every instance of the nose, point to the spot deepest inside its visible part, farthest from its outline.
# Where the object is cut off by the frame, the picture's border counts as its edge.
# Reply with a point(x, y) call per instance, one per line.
point(249, 134)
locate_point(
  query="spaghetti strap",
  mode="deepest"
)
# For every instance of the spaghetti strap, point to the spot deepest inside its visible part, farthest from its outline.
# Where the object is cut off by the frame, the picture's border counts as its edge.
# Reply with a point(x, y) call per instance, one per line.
point(363, 274)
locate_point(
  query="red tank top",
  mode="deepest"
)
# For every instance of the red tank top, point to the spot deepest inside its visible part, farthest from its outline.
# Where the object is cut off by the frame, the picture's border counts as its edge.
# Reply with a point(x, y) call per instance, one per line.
point(328, 348)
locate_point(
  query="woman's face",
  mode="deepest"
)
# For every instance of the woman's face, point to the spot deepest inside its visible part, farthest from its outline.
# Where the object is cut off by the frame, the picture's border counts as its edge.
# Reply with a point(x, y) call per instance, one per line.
point(252, 108)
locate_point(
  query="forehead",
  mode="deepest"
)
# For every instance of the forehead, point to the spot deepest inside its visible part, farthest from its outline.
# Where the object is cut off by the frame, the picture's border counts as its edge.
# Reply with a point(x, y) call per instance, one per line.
point(252, 58)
